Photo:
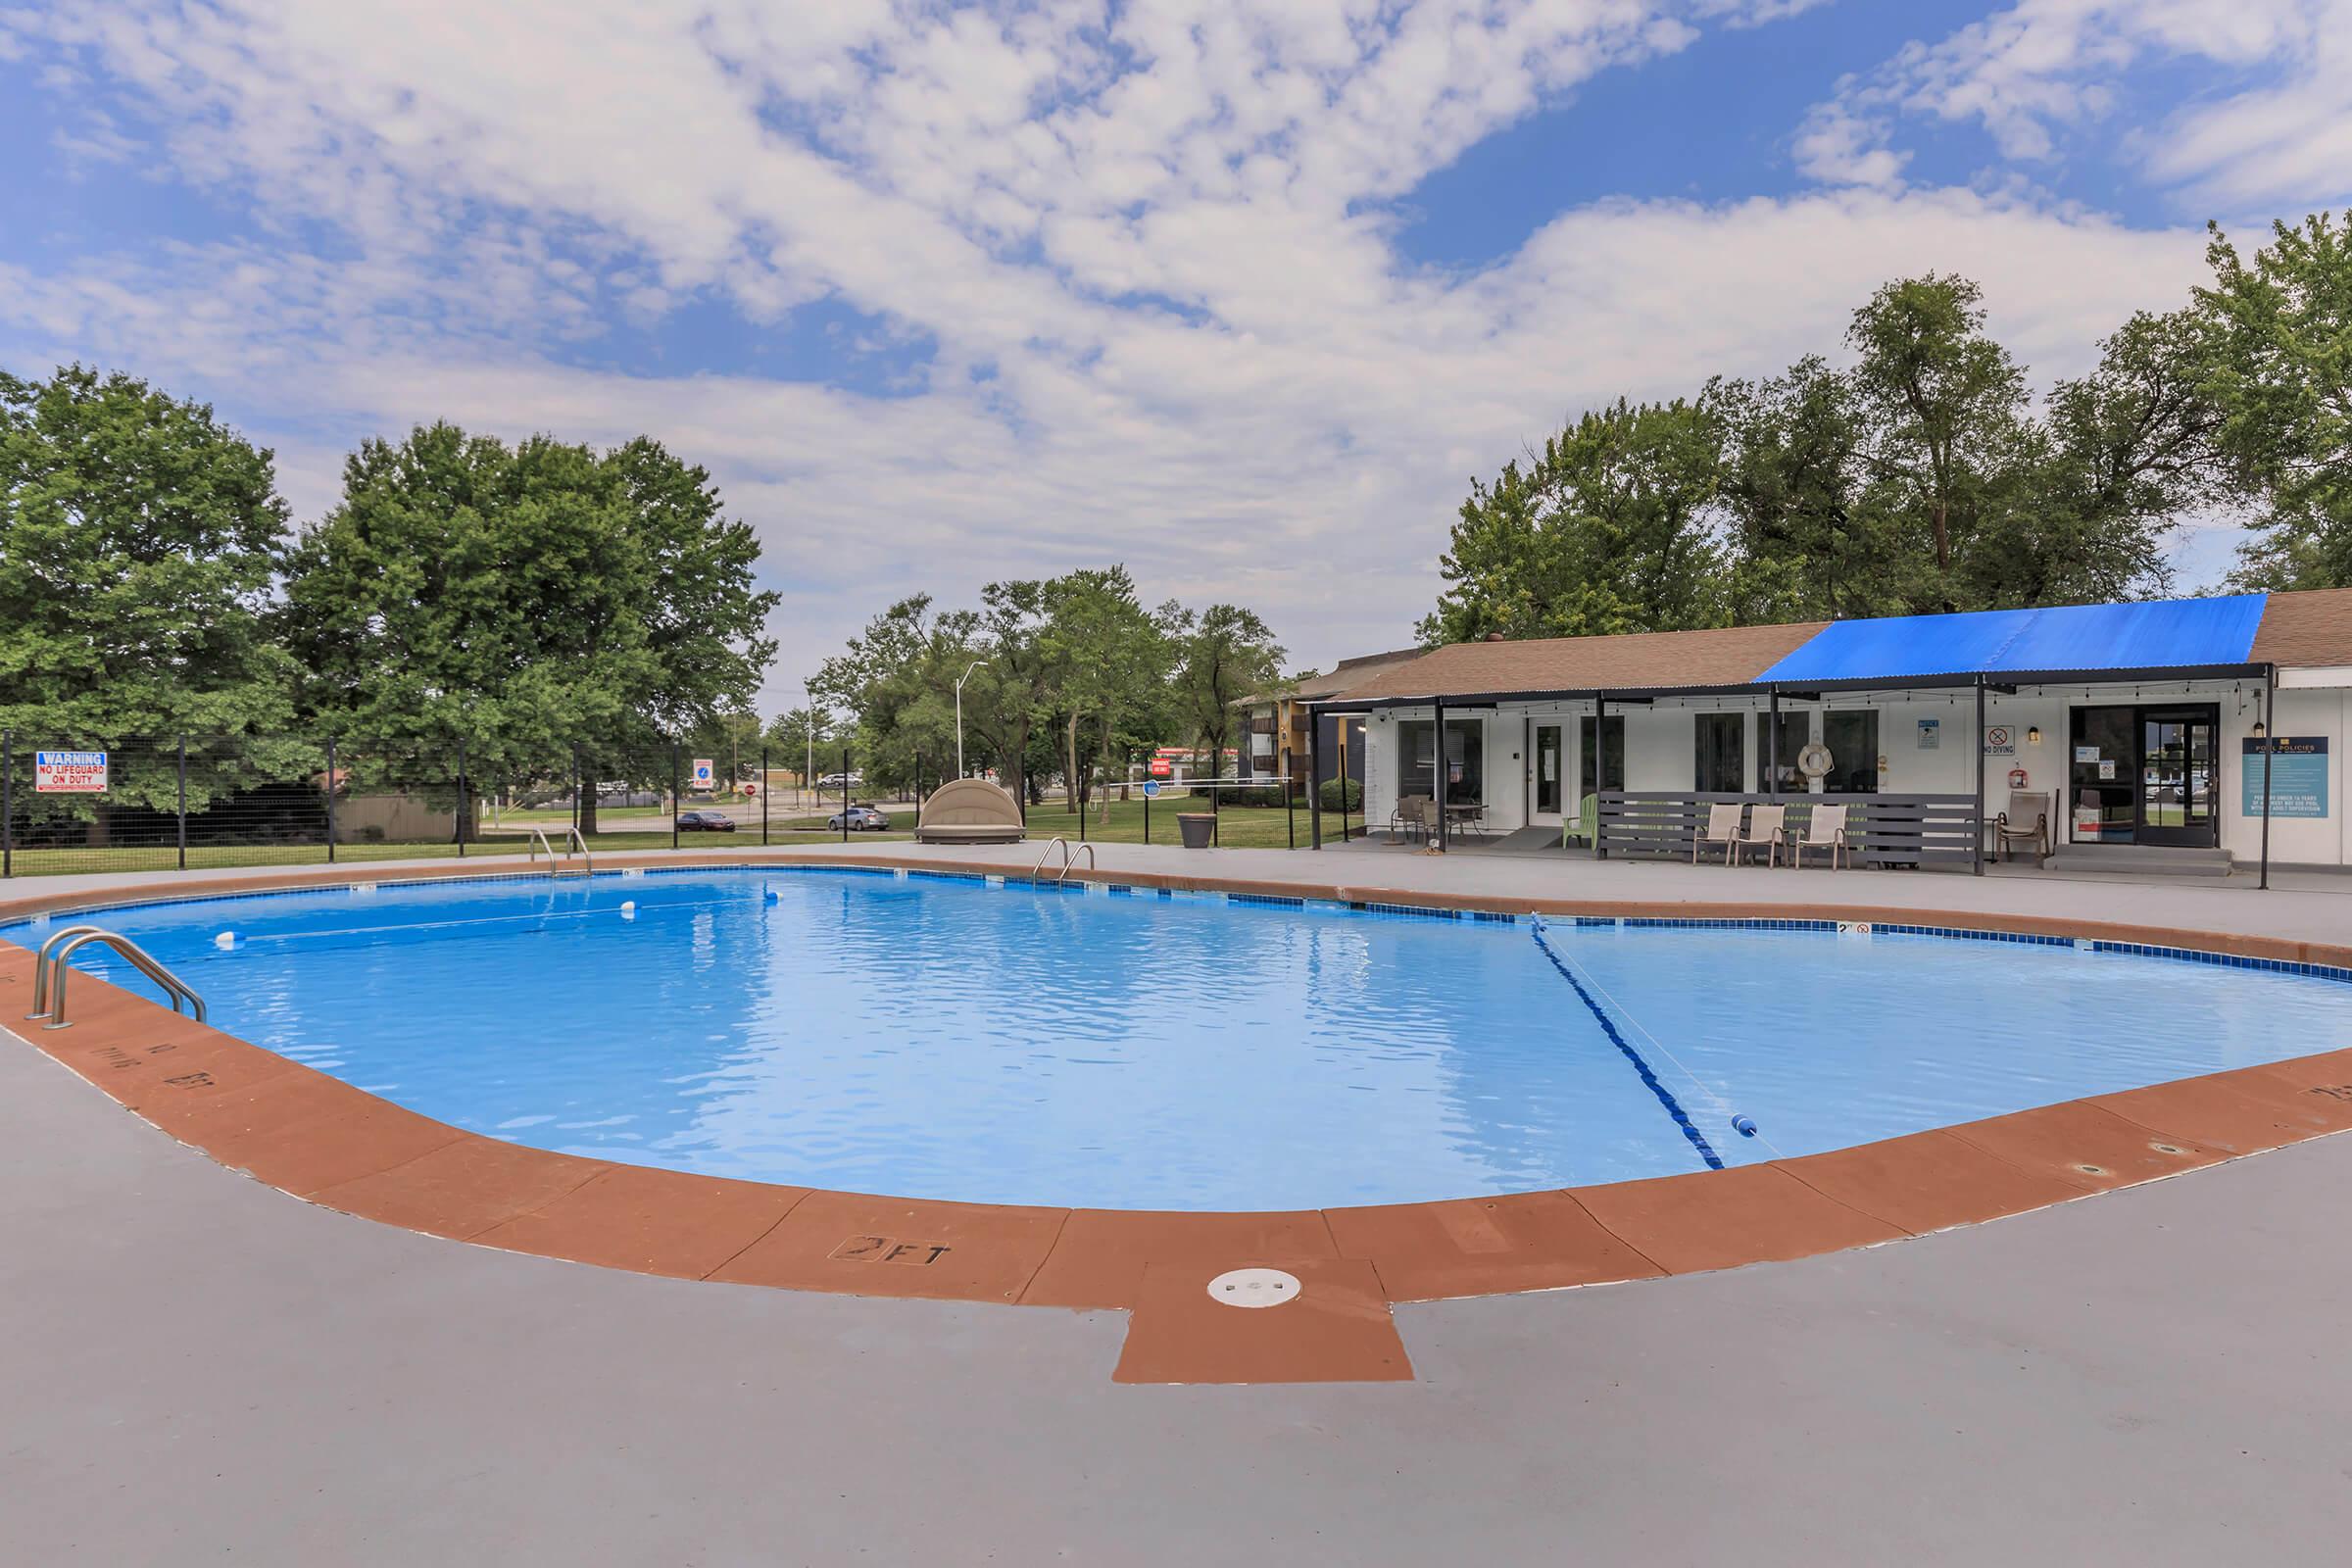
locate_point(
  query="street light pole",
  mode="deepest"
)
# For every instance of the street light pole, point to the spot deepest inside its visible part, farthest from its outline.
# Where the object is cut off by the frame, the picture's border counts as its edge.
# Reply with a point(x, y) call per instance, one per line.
point(959, 680)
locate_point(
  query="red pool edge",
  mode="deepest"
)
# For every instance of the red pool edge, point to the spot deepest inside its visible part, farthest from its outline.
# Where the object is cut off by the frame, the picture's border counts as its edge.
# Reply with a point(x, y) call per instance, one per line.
point(324, 1141)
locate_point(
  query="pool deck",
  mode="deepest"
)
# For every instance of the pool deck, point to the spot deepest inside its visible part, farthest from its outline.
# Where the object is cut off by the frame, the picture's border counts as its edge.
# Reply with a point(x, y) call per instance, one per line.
point(199, 1365)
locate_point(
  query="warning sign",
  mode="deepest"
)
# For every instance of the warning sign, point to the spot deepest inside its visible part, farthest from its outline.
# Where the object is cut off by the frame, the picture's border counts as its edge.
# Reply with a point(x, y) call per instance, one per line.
point(68, 772)
point(704, 774)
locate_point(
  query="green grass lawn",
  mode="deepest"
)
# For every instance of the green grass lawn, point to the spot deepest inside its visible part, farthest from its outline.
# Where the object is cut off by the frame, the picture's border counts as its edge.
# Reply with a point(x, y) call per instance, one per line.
point(1239, 827)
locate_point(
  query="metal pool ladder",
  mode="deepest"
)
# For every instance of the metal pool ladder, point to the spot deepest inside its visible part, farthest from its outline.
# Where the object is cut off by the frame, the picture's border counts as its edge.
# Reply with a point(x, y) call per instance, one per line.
point(1069, 859)
point(49, 973)
point(560, 864)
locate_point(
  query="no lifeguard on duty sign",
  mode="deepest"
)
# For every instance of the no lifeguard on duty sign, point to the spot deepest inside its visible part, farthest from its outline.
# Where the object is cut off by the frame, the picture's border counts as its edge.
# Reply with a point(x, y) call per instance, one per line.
point(68, 772)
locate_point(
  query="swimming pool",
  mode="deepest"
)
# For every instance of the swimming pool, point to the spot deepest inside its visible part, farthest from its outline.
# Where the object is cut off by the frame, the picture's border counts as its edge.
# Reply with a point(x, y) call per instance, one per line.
point(938, 1037)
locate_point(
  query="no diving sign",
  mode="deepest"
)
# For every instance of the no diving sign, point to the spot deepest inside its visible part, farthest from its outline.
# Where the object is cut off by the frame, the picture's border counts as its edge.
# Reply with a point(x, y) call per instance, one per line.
point(68, 772)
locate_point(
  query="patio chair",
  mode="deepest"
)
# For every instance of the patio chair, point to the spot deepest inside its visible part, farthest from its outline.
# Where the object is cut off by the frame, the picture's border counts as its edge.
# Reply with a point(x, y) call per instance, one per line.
point(1408, 817)
point(1722, 827)
point(1767, 829)
point(1825, 829)
point(1584, 827)
point(2026, 821)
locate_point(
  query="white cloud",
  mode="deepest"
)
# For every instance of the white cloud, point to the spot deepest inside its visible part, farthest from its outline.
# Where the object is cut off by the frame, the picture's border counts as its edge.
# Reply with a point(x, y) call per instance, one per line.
point(2039, 68)
point(1148, 246)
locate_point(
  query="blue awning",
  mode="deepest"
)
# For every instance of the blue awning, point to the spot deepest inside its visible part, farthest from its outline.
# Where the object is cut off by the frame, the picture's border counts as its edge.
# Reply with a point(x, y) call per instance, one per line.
point(2087, 638)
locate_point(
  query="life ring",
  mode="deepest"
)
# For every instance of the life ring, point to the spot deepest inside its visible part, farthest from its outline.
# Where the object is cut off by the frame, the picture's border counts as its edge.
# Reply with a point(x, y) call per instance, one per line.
point(1815, 762)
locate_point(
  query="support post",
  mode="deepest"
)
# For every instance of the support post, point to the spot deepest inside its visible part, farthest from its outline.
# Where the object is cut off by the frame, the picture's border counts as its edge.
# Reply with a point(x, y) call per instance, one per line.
point(460, 799)
point(1978, 752)
point(1340, 733)
point(578, 805)
point(331, 782)
point(845, 794)
point(1314, 779)
point(2269, 744)
point(1600, 775)
point(764, 793)
point(181, 815)
point(1148, 808)
point(676, 803)
point(1772, 746)
point(1437, 769)
point(8, 802)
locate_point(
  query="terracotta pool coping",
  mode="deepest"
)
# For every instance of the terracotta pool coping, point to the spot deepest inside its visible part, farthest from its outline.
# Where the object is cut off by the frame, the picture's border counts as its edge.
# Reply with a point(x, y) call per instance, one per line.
point(322, 1139)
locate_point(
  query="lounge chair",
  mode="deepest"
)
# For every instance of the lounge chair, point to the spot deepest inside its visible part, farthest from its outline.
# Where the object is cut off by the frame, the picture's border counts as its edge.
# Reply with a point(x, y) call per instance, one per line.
point(2027, 821)
point(1722, 827)
point(1767, 827)
point(969, 811)
point(1825, 829)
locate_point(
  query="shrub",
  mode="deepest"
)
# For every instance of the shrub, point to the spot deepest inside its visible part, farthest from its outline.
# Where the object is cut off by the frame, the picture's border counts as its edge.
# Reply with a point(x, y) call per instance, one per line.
point(1331, 789)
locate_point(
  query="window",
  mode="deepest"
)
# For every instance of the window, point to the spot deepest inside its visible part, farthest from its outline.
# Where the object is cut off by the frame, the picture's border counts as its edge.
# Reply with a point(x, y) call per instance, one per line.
point(1852, 738)
point(1465, 760)
point(1721, 763)
point(1797, 731)
point(1616, 736)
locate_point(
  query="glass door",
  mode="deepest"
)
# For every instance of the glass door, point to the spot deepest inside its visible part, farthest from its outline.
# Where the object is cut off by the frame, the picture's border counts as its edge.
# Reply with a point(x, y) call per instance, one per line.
point(2177, 778)
point(1549, 757)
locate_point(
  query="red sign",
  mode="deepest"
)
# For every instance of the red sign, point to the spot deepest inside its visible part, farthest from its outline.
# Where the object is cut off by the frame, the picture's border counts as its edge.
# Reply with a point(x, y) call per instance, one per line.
point(1161, 767)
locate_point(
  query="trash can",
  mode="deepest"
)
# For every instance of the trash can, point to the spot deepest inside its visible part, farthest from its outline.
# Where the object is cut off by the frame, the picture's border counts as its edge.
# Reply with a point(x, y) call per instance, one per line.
point(1198, 829)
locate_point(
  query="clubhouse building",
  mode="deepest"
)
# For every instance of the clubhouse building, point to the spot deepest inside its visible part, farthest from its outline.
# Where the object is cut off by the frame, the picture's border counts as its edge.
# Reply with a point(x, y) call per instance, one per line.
point(2143, 732)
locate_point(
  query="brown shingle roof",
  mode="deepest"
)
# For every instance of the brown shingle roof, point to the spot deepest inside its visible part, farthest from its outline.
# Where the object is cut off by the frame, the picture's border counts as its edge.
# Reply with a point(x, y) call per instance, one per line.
point(2306, 628)
point(1722, 657)
point(1349, 674)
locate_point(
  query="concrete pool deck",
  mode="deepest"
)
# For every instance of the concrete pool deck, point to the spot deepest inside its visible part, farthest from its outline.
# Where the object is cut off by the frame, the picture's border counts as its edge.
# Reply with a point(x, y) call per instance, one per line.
point(2097, 1357)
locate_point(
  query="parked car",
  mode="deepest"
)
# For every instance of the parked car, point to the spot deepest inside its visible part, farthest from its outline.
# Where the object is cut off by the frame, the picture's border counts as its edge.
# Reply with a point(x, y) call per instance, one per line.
point(862, 819)
point(840, 781)
point(706, 823)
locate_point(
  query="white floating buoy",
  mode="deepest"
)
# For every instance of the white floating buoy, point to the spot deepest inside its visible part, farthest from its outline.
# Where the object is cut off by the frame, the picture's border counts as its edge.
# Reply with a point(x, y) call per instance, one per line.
point(225, 941)
point(628, 910)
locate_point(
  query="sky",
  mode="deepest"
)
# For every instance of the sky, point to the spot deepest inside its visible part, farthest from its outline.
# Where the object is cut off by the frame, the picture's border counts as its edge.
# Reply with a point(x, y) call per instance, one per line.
point(1240, 295)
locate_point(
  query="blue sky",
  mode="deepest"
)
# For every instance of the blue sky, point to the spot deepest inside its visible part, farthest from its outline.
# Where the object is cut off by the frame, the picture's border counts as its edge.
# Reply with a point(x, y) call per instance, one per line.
point(1232, 293)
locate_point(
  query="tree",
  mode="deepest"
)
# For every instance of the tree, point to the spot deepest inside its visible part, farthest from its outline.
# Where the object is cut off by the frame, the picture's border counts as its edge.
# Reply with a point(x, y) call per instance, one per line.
point(1223, 654)
point(1791, 465)
point(2095, 489)
point(1606, 530)
point(137, 537)
point(2282, 379)
point(529, 603)
point(1944, 402)
point(1107, 655)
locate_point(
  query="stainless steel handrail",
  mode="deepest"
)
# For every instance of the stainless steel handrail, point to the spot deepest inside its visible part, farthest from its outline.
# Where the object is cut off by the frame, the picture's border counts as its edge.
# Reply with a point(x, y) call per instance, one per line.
point(554, 865)
point(40, 969)
point(174, 986)
point(1069, 859)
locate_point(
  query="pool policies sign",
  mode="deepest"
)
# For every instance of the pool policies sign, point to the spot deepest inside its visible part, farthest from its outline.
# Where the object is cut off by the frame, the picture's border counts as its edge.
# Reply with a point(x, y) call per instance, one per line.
point(68, 772)
point(2298, 776)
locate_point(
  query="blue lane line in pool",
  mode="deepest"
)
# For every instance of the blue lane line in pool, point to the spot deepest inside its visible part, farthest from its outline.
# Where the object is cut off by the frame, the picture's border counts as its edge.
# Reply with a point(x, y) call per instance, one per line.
point(1608, 1026)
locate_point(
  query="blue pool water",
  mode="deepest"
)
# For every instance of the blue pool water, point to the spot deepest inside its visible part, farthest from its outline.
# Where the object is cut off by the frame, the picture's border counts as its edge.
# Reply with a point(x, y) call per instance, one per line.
point(944, 1038)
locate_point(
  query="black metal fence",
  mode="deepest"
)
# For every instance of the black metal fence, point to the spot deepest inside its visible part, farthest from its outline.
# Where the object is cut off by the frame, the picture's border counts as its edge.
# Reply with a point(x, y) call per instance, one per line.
point(80, 803)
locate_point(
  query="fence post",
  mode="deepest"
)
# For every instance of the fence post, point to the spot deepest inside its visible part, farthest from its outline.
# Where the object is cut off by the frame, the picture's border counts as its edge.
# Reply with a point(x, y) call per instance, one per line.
point(845, 794)
point(576, 807)
point(1146, 814)
point(675, 804)
point(183, 803)
point(461, 797)
point(330, 800)
point(763, 795)
point(8, 802)
point(1079, 792)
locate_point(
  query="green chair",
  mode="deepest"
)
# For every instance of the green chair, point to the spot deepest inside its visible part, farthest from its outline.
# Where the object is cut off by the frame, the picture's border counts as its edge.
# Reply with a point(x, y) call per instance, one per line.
point(1584, 825)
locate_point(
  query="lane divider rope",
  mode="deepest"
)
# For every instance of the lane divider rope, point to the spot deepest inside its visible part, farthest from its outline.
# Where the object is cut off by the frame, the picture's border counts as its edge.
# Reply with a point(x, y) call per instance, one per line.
point(1608, 1026)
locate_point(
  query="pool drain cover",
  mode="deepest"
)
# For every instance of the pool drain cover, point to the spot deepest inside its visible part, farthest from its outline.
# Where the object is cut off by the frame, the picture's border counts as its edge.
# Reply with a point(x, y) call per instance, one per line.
point(1254, 1286)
